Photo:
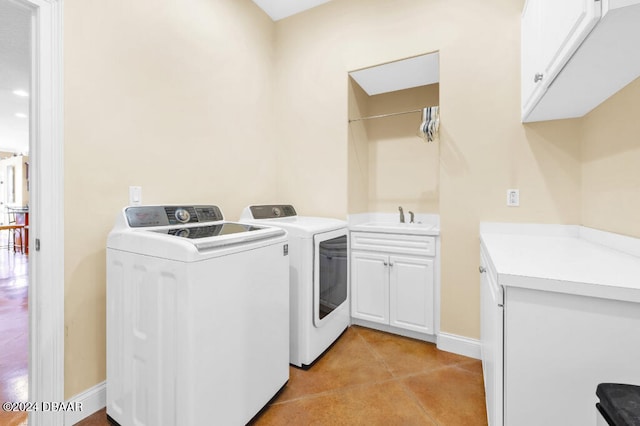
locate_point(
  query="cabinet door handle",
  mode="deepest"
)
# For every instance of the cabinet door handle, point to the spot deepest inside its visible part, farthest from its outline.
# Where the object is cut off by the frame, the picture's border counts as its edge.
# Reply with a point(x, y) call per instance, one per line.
point(390, 263)
point(538, 77)
point(386, 264)
point(482, 269)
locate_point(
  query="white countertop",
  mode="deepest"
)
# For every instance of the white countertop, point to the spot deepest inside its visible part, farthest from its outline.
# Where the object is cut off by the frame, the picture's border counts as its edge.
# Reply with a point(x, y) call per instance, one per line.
point(566, 259)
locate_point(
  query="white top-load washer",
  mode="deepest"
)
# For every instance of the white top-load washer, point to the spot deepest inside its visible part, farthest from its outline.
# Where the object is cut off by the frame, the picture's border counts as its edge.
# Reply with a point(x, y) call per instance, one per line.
point(319, 296)
point(197, 317)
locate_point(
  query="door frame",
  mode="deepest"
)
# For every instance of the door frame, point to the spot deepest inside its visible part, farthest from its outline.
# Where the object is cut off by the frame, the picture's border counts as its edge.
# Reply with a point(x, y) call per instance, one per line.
point(46, 239)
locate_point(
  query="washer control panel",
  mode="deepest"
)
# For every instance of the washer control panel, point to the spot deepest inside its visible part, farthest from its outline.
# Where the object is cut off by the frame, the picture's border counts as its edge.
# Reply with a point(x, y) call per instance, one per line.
point(272, 211)
point(145, 216)
point(182, 215)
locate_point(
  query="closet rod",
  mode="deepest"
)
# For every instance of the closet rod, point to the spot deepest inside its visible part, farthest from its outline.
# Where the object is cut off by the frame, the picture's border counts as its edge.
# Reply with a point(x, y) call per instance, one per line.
point(386, 115)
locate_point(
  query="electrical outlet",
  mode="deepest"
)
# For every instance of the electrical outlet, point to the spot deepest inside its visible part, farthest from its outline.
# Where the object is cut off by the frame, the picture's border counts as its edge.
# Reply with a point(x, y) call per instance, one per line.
point(135, 195)
point(513, 197)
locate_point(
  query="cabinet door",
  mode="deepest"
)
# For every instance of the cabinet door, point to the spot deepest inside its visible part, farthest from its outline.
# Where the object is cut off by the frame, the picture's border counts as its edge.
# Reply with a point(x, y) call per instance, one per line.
point(491, 338)
point(370, 287)
point(531, 63)
point(411, 293)
point(564, 26)
point(551, 32)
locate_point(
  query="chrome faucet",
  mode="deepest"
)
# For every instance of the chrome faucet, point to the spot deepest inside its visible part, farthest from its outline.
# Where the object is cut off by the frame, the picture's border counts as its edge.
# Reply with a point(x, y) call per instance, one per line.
point(411, 217)
point(401, 214)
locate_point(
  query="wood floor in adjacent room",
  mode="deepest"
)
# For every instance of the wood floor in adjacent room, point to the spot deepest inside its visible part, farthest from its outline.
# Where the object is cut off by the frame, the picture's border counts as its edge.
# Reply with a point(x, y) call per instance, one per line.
point(373, 378)
point(14, 333)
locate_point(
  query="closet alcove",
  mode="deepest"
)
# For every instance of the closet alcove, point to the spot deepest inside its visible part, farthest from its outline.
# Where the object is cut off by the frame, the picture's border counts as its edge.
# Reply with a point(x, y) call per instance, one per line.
point(391, 162)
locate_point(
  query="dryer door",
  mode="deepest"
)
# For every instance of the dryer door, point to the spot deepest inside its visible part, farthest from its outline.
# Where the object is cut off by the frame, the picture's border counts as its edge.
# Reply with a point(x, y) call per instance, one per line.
point(330, 273)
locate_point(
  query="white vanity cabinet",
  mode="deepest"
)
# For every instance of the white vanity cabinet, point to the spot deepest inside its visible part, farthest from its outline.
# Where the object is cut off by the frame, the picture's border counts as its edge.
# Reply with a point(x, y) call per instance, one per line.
point(392, 281)
point(568, 61)
point(370, 286)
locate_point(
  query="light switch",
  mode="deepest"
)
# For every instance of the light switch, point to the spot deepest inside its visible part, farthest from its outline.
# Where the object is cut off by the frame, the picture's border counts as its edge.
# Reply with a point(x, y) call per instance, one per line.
point(135, 195)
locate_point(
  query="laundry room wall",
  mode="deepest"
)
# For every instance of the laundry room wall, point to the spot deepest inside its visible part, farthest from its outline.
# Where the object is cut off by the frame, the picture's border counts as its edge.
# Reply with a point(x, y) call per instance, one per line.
point(202, 101)
point(611, 155)
point(358, 152)
point(175, 97)
point(388, 163)
point(484, 147)
point(403, 167)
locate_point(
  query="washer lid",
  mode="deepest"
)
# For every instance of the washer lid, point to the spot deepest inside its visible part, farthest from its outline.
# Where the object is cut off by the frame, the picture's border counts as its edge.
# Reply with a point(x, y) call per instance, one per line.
point(185, 232)
point(207, 231)
point(221, 234)
point(193, 242)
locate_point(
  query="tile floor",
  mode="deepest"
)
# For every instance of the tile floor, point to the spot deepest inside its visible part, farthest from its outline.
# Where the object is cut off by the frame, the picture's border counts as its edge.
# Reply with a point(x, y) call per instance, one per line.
point(368, 377)
point(374, 378)
point(14, 333)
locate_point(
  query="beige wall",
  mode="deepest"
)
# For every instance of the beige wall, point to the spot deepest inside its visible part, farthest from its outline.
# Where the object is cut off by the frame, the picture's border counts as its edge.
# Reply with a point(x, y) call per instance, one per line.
point(403, 168)
point(611, 164)
point(215, 94)
point(484, 148)
point(173, 96)
point(358, 157)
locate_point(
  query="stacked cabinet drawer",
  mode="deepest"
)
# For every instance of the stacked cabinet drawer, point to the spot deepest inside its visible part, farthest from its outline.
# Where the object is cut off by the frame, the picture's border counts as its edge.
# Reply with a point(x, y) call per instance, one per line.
point(392, 280)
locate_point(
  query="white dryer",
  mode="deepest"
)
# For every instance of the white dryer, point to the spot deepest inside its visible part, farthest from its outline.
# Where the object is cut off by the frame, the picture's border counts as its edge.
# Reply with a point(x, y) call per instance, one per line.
point(197, 317)
point(319, 292)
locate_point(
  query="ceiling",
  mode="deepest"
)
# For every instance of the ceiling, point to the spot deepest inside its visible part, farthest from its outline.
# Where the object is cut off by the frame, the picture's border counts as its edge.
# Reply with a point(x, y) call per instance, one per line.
point(14, 75)
point(280, 9)
point(399, 75)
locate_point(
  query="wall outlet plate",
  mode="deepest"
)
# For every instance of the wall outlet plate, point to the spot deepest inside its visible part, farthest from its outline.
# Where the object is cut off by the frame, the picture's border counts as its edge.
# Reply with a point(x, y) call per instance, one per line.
point(513, 197)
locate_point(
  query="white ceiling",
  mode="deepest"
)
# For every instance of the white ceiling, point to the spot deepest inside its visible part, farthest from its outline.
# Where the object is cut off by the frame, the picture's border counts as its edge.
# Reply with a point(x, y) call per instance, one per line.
point(15, 22)
point(405, 74)
point(279, 9)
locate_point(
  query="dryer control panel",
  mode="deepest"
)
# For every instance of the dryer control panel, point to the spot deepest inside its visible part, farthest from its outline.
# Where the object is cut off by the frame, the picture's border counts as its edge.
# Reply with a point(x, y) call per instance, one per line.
point(144, 216)
point(272, 211)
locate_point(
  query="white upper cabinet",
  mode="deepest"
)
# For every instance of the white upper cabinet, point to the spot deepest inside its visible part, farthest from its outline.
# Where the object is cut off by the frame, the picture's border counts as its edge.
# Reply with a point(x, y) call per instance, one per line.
point(531, 42)
point(575, 54)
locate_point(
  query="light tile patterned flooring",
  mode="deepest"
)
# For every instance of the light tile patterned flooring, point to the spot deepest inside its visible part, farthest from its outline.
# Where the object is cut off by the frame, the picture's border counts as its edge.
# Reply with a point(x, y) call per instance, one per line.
point(367, 378)
point(373, 378)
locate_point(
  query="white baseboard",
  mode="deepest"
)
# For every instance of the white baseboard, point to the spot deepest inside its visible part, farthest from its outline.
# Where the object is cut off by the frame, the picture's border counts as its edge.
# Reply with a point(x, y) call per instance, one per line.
point(91, 400)
point(459, 345)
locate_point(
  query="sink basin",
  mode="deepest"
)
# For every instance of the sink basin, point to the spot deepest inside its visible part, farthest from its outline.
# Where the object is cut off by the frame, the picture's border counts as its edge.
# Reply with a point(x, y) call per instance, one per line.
point(397, 228)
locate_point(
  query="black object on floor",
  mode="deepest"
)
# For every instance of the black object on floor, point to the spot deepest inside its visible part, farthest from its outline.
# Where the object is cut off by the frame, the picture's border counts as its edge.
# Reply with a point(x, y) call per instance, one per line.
point(619, 403)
